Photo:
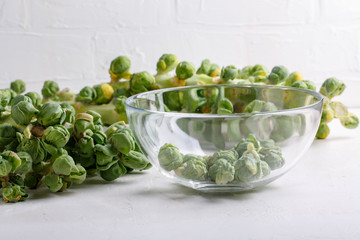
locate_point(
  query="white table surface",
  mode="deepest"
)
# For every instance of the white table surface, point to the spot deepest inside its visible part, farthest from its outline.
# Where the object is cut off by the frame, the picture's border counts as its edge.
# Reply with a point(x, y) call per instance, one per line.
point(318, 199)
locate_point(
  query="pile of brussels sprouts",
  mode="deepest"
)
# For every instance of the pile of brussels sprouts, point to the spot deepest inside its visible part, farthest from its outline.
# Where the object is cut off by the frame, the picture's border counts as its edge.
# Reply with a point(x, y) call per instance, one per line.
point(45, 142)
point(250, 160)
point(59, 138)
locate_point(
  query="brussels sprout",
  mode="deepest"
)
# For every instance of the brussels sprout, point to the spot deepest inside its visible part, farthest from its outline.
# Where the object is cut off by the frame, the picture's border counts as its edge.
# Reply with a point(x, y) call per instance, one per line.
point(134, 160)
point(242, 146)
point(13, 158)
point(260, 106)
point(79, 175)
point(23, 112)
point(36, 148)
point(304, 84)
point(192, 169)
point(5, 167)
point(292, 78)
point(99, 137)
point(229, 73)
point(96, 117)
point(105, 156)
point(49, 89)
point(215, 70)
point(69, 111)
point(83, 122)
point(185, 70)
point(192, 101)
point(224, 106)
point(327, 114)
point(248, 167)
point(64, 165)
point(166, 63)
point(18, 86)
point(51, 113)
point(332, 87)
point(351, 121)
point(195, 157)
point(172, 100)
point(278, 75)
point(26, 163)
point(119, 103)
point(204, 67)
point(56, 136)
point(121, 91)
point(123, 140)
point(221, 171)
point(35, 98)
point(7, 135)
point(85, 147)
point(141, 82)
point(229, 155)
point(32, 180)
point(284, 127)
point(170, 157)
point(6, 96)
point(14, 193)
point(87, 94)
point(253, 71)
point(20, 98)
point(323, 131)
point(119, 68)
point(273, 158)
point(118, 126)
point(114, 172)
point(54, 182)
point(104, 93)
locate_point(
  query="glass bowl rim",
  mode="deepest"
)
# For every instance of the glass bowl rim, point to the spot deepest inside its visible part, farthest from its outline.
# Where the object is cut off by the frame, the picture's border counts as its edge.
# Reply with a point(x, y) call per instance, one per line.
point(319, 97)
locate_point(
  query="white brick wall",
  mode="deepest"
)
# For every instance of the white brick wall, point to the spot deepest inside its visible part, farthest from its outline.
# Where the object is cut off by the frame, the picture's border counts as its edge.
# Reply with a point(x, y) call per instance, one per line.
point(73, 41)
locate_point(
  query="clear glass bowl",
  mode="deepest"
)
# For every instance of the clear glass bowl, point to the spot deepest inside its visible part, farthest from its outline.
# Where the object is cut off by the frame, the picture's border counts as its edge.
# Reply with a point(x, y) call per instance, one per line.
point(182, 117)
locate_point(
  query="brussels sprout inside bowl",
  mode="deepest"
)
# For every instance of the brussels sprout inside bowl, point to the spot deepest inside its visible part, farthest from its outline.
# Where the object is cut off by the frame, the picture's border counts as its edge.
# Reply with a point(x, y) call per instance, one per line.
point(222, 138)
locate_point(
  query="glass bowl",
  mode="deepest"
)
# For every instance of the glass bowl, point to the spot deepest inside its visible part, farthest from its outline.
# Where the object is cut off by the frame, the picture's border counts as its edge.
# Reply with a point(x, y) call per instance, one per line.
point(223, 138)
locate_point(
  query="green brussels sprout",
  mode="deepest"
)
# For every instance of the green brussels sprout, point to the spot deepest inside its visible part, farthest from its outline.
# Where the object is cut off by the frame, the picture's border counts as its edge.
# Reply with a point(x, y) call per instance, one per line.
point(166, 63)
point(185, 70)
point(272, 157)
point(55, 137)
point(36, 148)
point(192, 169)
point(242, 146)
point(54, 182)
point(49, 89)
point(104, 93)
point(6, 96)
point(99, 137)
point(51, 113)
point(170, 157)
point(64, 165)
point(119, 68)
point(105, 156)
point(260, 106)
point(229, 155)
point(351, 121)
point(85, 147)
point(221, 171)
point(118, 126)
point(192, 100)
point(284, 127)
point(87, 94)
point(195, 157)
point(278, 75)
point(119, 103)
point(5, 167)
point(23, 112)
point(83, 122)
point(121, 91)
point(115, 171)
point(122, 140)
point(79, 175)
point(304, 84)
point(229, 73)
point(14, 193)
point(32, 180)
point(204, 67)
point(7, 135)
point(134, 160)
point(292, 78)
point(13, 158)
point(224, 106)
point(141, 82)
point(69, 111)
point(323, 131)
point(253, 71)
point(20, 98)
point(96, 117)
point(17, 180)
point(332, 87)
point(172, 100)
point(18, 86)
point(215, 70)
point(35, 98)
point(26, 163)
point(327, 114)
